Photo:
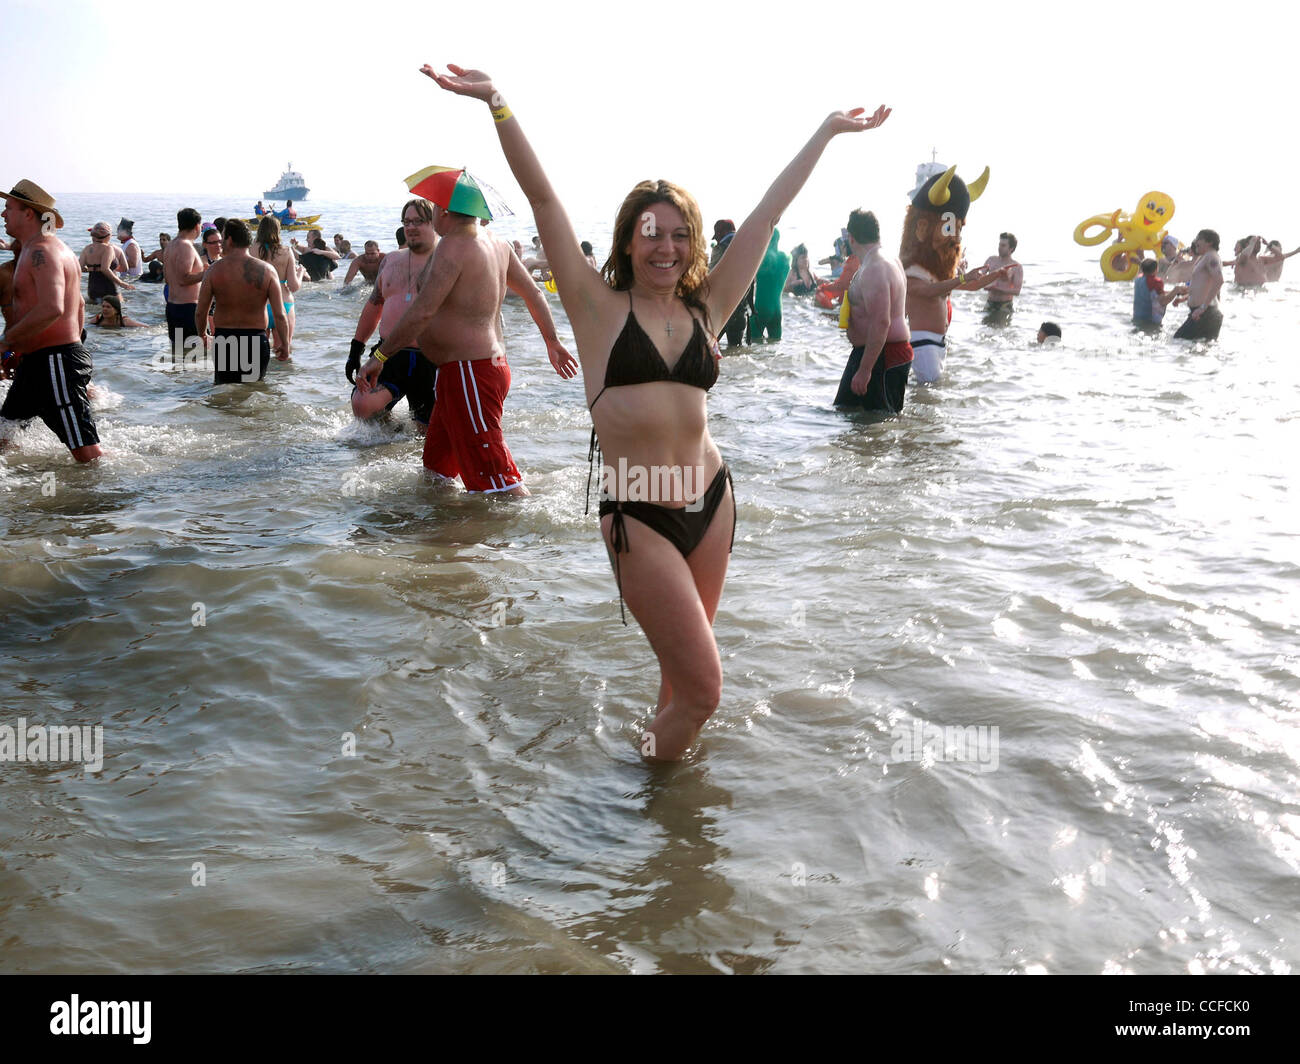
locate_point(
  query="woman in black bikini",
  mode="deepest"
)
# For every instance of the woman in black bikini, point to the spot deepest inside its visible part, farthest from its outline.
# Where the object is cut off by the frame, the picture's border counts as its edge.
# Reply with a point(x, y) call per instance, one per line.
point(802, 281)
point(643, 327)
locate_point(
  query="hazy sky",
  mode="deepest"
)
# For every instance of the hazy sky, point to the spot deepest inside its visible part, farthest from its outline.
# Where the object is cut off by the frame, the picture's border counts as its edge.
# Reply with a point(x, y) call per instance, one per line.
point(1076, 114)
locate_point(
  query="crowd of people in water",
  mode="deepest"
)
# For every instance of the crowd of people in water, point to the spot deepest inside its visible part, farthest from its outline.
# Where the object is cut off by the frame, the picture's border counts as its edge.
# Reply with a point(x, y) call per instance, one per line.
point(647, 326)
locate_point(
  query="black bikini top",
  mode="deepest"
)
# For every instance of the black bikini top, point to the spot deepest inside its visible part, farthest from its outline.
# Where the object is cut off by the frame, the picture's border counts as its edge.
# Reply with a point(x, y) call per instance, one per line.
point(634, 359)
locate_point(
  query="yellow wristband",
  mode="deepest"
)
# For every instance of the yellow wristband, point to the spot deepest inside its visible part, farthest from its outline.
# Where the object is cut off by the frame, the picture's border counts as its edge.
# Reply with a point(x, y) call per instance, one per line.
point(379, 356)
point(500, 114)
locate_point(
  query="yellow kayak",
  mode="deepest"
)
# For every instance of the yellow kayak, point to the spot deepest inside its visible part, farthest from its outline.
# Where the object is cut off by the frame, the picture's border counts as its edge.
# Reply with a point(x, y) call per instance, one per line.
point(298, 224)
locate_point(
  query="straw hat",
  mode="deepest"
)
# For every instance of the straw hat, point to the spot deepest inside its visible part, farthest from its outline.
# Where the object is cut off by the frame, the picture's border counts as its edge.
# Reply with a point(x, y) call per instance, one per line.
point(31, 194)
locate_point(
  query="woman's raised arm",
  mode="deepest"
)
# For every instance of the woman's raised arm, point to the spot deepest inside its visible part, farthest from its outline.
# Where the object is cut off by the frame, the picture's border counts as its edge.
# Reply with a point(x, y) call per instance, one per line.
point(574, 276)
point(729, 280)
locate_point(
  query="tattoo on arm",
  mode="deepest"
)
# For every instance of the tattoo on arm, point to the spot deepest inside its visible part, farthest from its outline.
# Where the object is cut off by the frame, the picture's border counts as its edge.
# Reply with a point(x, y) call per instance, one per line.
point(38, 259)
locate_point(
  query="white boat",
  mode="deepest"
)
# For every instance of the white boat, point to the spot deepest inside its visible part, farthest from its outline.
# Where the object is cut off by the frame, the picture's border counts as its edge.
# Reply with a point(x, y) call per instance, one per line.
point(925, 171)
point(291, 185)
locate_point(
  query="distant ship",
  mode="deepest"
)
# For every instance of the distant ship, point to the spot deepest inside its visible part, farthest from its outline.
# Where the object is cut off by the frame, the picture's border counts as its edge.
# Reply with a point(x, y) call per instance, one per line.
point(925, 171)
point(290, 186)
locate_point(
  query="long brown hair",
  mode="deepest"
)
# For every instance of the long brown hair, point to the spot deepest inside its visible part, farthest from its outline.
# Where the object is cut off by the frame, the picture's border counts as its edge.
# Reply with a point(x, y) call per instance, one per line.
point(693, 287)
point(268, 237)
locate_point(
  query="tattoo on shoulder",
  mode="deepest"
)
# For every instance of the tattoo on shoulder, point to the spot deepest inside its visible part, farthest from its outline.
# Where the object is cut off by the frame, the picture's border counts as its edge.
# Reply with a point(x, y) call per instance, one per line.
point(38, 259)
point(254, 273)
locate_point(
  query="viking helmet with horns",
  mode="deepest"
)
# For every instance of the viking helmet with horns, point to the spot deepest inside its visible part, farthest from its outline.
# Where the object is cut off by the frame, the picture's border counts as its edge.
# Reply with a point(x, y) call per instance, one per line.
point(948, 192)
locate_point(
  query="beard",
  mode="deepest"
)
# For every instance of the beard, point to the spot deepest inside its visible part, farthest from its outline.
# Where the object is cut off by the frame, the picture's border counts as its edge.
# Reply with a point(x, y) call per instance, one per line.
point(924, 246)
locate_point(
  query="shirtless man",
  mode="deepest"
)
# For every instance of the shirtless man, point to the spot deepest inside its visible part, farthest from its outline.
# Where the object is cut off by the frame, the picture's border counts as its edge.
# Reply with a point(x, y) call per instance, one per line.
point(100, 259)
point(183, 272)
point(877, 297)
point(1004, 290)
point(1248, 270)
point(157, 256)
point(43, 328)
point(1205, 319)
point(1274, 259)
point(369, 264)
point(406, 372)
point(456, 321)
point(243, 288)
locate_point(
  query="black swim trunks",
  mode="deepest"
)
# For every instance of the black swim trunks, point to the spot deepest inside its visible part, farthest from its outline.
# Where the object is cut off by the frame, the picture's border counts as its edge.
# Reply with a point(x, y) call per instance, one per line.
point(887, 388)
point(1205, 329)
point(180, 323)
point(408, 373)
point(50, 384)
point(239, 356)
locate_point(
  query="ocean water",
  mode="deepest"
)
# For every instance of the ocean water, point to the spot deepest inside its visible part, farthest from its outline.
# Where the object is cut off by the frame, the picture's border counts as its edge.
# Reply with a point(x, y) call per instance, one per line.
point(404, 736)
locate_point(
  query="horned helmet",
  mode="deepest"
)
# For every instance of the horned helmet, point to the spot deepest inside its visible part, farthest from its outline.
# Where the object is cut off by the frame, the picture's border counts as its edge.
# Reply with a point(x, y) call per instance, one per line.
point(947, 192)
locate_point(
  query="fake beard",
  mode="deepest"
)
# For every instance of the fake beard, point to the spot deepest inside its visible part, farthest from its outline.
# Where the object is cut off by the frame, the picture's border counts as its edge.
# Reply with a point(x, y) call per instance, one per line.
point(938, 254)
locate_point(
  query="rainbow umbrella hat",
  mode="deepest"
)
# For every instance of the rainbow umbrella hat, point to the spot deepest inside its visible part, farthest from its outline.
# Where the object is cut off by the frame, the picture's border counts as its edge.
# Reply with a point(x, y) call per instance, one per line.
point(458, 190)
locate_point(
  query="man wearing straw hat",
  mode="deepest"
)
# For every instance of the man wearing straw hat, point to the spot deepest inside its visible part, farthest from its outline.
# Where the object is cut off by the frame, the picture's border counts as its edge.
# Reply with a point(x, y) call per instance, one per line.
point(41, 344)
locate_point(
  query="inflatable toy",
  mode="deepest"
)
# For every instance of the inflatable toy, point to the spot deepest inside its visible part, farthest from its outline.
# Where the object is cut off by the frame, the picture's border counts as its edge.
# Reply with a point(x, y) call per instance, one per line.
point(1143, 230)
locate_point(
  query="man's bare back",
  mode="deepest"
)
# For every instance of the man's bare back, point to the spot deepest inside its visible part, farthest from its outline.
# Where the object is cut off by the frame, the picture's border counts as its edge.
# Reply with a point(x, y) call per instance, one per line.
point(875, 376)
point(471, 266)
point(1248, 269)
point(242, 286)
point(180, 263)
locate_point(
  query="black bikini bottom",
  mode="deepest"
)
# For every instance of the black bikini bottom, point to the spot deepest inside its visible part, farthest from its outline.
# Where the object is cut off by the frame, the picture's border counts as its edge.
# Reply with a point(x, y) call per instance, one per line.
point(682, 527)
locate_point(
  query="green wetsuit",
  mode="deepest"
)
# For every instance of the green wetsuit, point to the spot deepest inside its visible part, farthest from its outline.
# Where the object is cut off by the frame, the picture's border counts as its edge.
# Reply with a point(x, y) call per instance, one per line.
point(768, 287)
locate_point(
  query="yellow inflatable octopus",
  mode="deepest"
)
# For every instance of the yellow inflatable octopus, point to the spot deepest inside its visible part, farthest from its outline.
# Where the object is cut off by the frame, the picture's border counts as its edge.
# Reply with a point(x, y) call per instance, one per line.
point(1142, 230)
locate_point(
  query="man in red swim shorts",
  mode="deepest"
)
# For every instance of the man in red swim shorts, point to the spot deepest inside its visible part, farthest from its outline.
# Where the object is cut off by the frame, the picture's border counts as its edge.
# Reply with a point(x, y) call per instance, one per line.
point(455, 322)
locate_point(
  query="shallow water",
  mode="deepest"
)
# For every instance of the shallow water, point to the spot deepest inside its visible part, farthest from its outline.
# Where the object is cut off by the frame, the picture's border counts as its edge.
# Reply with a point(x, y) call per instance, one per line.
point(1090, 548)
